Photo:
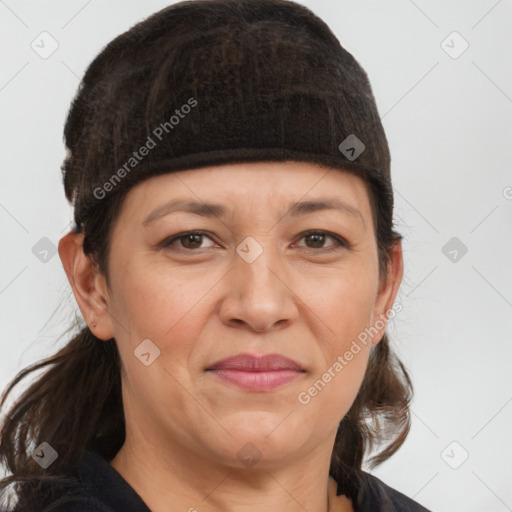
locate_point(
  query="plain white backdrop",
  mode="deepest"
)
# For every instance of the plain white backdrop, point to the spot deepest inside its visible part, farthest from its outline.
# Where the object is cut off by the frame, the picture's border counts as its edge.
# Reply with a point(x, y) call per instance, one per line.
point(441, 72)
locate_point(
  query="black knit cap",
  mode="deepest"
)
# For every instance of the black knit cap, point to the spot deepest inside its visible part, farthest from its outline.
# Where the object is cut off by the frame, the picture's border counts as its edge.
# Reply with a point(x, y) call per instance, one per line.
point(210, 82)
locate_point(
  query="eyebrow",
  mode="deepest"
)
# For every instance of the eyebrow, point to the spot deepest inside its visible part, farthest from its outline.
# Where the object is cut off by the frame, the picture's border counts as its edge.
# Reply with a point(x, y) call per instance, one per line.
point(218, 210)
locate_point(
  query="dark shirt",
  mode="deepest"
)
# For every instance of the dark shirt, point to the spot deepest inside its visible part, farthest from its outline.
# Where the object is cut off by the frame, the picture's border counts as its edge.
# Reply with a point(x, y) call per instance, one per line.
point(102, 489)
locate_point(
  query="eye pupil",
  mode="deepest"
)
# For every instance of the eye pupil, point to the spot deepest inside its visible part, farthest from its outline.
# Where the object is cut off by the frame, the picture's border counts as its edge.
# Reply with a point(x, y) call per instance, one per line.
point(190, 238)
point(318, 236)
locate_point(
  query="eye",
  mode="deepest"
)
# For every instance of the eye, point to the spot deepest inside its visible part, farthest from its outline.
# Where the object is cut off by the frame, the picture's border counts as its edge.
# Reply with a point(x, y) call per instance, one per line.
point(318, 239)
point(189, 240)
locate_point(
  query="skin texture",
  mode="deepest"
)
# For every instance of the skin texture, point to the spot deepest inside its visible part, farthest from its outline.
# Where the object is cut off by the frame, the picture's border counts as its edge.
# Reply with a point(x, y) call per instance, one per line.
point(199, 301)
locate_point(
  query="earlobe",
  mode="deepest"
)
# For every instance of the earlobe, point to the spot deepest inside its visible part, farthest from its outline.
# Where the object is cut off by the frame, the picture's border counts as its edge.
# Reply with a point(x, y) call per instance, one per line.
point(388, 289)
point(87, 283)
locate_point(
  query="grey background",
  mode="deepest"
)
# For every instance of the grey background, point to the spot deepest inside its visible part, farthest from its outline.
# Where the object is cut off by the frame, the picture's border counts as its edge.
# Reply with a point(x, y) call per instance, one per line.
point(448, 122)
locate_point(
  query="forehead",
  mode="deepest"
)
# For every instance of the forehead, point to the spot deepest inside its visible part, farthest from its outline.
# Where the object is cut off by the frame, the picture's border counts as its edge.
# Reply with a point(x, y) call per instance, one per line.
point(261, 187)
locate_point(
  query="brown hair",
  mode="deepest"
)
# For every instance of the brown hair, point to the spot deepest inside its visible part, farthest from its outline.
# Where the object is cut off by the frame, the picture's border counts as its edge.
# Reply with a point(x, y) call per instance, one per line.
point(77, 402)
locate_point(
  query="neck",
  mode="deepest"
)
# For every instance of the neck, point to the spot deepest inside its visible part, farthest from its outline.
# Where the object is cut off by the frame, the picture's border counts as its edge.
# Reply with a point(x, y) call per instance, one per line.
point(202, 485)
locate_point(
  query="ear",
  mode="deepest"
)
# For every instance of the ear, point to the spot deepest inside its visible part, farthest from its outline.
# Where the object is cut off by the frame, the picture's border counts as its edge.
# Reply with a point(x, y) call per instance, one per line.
point(88, 285)
point(386, 295)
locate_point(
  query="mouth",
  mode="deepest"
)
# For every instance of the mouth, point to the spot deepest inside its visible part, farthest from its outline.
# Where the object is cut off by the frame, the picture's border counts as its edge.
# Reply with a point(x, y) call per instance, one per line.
point(257, 373)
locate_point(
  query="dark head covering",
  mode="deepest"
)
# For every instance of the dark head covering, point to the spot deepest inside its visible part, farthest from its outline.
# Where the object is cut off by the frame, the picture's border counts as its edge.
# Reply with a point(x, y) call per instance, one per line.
point(217, 81)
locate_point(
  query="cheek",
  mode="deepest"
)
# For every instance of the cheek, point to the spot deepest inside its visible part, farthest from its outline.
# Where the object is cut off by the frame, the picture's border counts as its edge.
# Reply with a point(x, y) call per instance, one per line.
point(331, 390)
point(345, 308)
point(168, 308)
point(344, 303)
point(170, 311)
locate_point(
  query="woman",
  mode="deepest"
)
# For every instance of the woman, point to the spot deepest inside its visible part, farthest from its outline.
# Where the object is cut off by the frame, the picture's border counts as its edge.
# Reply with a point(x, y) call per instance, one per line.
point(235, 263)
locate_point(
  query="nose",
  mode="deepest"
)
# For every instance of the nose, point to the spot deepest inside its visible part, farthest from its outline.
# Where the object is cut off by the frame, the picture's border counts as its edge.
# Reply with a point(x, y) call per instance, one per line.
point(259, 294)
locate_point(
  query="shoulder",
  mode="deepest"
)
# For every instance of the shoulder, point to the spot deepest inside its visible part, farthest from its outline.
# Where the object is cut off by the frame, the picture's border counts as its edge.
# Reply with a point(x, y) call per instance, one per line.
point(376, 495)
point(60, 496)
point(64, 494)
point(92, 486)
point(76, 504)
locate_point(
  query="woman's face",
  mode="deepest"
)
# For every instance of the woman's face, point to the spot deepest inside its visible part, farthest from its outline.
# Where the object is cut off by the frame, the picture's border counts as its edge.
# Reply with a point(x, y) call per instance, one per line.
point(252, 282)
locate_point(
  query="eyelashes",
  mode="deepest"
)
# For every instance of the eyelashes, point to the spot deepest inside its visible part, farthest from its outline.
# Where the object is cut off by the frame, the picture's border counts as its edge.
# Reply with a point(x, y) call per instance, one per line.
point(169, 242)
point(340, 241)
point(194, 237)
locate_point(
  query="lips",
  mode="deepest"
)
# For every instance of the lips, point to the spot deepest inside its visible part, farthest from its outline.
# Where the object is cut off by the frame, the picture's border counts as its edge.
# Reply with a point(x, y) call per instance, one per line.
point(250, 363)
point(256, 373)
